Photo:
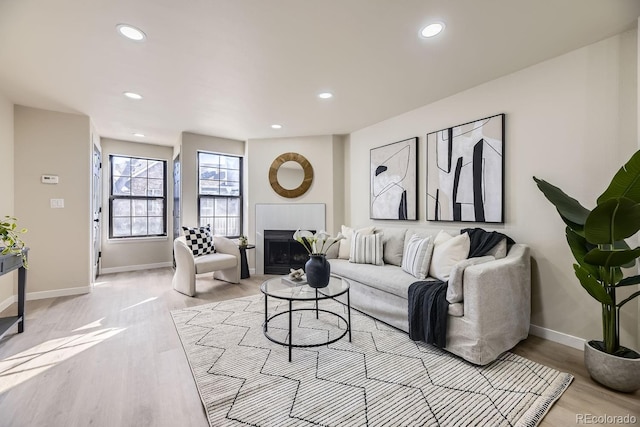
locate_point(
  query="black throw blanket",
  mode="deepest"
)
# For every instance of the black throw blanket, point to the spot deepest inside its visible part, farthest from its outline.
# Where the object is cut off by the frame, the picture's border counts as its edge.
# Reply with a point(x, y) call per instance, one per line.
point(428, 305)
point(483, 241)
point(428, 309)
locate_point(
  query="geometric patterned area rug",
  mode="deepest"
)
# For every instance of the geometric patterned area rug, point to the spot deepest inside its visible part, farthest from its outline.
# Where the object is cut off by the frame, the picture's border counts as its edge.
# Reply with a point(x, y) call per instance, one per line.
point(380, 378)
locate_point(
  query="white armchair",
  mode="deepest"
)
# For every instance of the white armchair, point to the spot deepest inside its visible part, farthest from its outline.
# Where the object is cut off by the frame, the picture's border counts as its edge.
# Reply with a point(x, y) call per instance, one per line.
point(224, 263)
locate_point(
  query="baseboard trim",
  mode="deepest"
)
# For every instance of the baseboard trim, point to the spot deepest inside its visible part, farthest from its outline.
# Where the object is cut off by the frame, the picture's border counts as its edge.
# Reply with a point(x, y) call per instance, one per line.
point(7, 303)
point(109, 270)
point(559, 337)
point(58, 293)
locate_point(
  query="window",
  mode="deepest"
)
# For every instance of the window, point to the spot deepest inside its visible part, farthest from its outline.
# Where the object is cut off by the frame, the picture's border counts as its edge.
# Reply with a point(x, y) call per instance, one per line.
point(220, 193)
point(137, 202)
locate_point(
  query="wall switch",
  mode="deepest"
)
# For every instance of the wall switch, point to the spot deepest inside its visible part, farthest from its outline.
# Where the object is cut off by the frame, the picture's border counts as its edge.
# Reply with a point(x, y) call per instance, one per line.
point(57, 203)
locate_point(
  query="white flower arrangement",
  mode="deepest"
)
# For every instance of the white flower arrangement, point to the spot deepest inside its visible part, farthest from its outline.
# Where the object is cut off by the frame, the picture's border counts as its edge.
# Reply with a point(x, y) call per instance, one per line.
point(316, 244)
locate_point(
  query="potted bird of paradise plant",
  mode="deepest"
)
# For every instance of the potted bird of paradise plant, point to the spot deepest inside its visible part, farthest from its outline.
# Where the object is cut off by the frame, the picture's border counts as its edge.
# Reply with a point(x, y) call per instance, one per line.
point(596, 239)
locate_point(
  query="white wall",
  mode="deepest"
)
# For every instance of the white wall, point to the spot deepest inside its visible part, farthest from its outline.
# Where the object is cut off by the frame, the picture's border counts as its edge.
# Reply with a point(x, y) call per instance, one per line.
point(325, 153)
point(52, 143)
point(6, 188)
point(572, 121)
point(133, 254)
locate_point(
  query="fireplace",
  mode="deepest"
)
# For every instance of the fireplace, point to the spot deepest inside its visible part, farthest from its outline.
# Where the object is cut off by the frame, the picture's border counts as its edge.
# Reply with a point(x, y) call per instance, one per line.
point(282, 253)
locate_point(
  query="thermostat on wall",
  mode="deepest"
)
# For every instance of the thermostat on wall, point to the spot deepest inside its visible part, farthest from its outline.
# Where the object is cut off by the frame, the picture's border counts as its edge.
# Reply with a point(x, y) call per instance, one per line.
point(49, 179)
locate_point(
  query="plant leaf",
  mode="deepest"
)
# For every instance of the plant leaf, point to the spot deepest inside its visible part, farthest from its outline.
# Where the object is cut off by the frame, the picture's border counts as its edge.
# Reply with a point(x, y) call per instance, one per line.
point(632, 296)
point(611, 258)
point(569, 208)
point(621, 244)
point(579, 248)
point(626, 182)
point(629, 281)
point(592, 286)
point(612, 220)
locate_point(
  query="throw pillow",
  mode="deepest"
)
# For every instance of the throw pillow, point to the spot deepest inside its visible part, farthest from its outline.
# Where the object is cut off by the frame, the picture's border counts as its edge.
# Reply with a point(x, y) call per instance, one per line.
point(199, 240)
point(447, 252)
point(366, 249)
point(345, 244)
point(417, 256)
point(499, 251)
point(392, 244)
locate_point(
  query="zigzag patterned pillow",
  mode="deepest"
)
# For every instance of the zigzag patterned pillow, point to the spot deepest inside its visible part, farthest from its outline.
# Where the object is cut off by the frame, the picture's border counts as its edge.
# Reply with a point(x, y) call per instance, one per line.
point(199, 240)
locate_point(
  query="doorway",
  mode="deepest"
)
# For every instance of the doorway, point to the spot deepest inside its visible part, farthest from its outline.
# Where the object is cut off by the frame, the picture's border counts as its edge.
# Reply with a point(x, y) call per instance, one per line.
point(96, 208)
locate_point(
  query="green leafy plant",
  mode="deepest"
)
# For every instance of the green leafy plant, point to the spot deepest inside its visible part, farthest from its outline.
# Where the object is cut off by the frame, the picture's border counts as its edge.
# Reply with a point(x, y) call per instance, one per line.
point(10, 238)
point(596, 239)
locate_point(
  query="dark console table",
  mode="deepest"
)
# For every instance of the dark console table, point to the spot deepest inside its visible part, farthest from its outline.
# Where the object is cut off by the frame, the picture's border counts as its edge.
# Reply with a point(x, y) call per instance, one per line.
point(9, 263)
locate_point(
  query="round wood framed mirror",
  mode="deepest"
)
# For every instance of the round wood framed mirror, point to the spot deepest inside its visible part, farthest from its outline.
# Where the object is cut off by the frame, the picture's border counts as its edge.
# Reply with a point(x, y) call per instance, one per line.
point(290, 175)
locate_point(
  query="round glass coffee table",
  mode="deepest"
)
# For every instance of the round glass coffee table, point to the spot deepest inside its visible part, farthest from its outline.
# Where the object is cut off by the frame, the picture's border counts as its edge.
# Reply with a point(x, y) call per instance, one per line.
point(277, 288)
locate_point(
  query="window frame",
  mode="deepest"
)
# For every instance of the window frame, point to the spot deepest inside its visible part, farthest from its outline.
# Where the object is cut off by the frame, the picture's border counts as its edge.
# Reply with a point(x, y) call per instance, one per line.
point(240, 196)
point(113, 197)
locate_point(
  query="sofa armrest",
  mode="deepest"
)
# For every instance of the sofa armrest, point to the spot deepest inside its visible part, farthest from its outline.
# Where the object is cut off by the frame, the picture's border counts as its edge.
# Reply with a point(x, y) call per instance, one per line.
point(184, 276)
point(497, 294)
point(226, 246)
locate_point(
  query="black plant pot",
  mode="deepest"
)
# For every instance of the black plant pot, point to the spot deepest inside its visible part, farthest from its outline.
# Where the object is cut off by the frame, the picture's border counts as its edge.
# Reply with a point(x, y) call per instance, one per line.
point(317, 270)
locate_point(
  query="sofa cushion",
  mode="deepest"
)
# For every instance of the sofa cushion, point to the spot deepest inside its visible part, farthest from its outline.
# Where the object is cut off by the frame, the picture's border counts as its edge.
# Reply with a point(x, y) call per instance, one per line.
point(214, 262)
point(199, 240)
point(447, 252)
point(392, 244)
point(366, 249)
point(417, 255)
point(345, 244)
point(387, 278)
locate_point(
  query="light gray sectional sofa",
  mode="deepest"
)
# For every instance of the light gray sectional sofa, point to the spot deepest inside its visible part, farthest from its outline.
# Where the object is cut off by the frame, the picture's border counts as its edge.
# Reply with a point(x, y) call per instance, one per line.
point(492, 316)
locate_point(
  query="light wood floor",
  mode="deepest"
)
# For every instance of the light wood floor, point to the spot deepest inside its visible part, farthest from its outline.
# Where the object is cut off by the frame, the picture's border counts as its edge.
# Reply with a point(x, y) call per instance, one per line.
point(113, 358)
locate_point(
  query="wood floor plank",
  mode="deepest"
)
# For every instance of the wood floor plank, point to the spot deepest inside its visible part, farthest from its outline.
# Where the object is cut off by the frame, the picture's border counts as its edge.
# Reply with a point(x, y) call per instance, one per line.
point(113, 358)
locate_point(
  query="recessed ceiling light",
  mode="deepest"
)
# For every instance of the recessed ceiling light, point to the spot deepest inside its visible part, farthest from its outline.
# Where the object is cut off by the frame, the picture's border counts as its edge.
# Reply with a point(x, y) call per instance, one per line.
point(139, 135)
point(432, 29)
point(325, 95)
point(130, 32)
point(276, 126)
point(132, 95)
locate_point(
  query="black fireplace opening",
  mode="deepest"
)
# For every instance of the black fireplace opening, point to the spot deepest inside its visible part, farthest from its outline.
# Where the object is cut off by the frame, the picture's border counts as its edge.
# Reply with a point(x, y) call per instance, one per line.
point(282, 252)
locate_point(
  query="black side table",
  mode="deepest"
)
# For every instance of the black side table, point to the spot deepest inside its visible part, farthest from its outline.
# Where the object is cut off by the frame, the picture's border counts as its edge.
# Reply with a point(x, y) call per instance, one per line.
point(9, 263)
point(244, 265)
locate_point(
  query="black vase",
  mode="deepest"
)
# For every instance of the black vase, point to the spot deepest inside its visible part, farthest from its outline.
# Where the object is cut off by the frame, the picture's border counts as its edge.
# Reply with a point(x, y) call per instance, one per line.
point(317, 270)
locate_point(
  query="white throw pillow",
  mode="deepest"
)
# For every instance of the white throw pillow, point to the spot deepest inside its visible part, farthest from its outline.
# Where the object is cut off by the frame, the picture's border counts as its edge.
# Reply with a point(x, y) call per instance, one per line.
point(366, 249)
point(417, 256)
point(447, 252)
point(345, 244)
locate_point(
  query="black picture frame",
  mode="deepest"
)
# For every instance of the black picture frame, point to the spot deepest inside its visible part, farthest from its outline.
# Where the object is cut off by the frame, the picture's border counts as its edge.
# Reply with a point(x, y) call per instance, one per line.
point(393, 184)
point(465, 172)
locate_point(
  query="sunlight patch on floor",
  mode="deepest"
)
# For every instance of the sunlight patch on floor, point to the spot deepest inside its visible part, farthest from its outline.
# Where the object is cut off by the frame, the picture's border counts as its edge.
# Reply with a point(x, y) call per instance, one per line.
point(140, 303)
point(91, 325)
point(17, 369)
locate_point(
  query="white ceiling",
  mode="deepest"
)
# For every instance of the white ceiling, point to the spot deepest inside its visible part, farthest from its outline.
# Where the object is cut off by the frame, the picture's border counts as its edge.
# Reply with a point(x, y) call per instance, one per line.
point(231, 68)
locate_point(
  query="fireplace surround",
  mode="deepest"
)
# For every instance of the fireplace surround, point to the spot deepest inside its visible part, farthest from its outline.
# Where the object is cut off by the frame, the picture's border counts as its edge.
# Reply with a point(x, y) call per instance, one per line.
point(282, 252)
point(285, 216)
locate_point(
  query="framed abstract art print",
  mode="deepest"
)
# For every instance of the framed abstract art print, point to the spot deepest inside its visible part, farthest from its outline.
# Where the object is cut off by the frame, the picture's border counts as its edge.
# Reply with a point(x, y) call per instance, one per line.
point(394, 181)
point(465, 172)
